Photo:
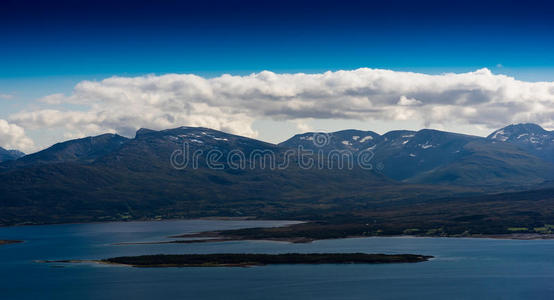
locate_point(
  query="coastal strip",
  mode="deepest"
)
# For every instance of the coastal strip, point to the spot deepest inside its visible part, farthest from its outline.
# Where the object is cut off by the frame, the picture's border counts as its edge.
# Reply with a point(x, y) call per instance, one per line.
point(309, 232)
point(222, 236)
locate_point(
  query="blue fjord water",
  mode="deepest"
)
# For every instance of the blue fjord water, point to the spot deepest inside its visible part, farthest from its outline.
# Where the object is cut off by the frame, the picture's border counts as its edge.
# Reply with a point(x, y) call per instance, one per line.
point(461, 269)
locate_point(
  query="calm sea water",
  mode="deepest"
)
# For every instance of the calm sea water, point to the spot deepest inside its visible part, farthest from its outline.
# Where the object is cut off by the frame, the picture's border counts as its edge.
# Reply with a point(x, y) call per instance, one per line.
point(462, 269)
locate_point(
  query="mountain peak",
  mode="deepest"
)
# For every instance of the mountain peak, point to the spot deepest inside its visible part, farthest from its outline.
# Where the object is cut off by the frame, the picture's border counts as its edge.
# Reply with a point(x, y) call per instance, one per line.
point(350, 139)
point(525, 132)
point(526, 126)
point(84, 149)
point(528, 136)
point(143, 131)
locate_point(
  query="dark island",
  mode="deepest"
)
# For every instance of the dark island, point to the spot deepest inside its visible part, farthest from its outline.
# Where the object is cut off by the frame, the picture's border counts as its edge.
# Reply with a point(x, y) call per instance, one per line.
point(5, 242)
point(243, 260)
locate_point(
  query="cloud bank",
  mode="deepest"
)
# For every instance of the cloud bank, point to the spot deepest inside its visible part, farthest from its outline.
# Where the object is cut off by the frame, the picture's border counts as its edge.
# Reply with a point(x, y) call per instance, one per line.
point(233, 103)
point(13, 137)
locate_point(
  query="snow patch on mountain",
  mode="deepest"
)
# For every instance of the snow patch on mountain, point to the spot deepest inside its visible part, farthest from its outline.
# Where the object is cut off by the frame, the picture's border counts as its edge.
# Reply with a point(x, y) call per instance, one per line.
point(499, 135)
point(367, 138)
point(426, 145)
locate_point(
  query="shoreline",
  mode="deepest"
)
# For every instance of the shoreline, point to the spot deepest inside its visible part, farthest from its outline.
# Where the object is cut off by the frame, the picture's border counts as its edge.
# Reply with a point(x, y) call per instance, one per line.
point(209, 238)
point(245, 218)
point(516, 236)
point(221, 236)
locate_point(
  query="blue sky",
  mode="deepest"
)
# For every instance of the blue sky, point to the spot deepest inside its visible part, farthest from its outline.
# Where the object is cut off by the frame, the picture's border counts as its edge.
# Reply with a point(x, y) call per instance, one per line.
point(47, 47)
point(48, 39)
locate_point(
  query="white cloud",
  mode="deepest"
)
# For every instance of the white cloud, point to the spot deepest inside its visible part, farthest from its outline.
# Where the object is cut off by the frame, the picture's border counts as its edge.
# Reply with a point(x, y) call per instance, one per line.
point(6, 96)
point(405, 101)
point(53, 99)
point(232, 103)
point(303, 125)
point(13, 137)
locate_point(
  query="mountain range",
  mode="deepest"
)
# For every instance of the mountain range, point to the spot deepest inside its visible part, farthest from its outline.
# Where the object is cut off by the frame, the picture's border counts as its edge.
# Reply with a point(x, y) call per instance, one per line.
point(110, 177)
point(517, 154)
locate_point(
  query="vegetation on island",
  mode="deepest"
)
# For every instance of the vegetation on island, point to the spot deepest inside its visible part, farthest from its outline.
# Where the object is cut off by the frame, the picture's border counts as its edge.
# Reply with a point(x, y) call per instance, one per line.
point(230, 260)
point(5, 242)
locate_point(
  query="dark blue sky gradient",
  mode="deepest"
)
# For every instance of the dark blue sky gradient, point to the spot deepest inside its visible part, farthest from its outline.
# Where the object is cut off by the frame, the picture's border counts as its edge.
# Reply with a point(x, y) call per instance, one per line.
point(104, 38)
